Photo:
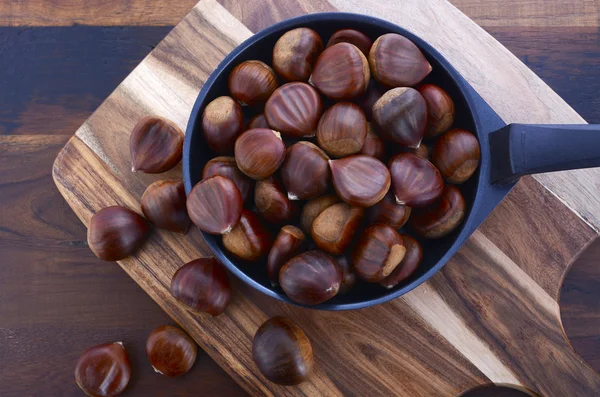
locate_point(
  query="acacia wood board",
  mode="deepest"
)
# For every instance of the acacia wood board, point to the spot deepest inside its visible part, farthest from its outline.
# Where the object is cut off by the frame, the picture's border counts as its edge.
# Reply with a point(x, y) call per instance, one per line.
point(490, 316)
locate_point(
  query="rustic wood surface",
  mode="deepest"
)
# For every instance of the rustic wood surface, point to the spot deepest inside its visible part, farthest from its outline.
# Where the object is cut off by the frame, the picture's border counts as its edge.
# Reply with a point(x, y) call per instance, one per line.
point(58, 299)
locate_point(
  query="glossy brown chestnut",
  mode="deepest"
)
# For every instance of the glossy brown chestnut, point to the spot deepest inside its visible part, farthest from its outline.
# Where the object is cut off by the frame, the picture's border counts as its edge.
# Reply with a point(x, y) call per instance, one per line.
point(226, 167)
point(258, 121)
point(410, 262)
point(295, 53)
point(389, 212)
point(334, 228)
point(222, 123)
point(373, 146)
point(249, 240)
point(290, 242)
point(360, 180)
point(215, 205)
point(378, 252)
point(294, 109)
point(440, 218)
point(163, 204)
point(305, 172)
point(155, 145)
point(310, 278)
point(456, 155)
point(259, 152)
point(272, 201)
point(415, 181)
point(103, 370)
point(282, 352)
point(397, 62)
point(342, 129)
point(252, 82)
point(359, 39)
point(341, 72)
point(313, 208)
point(115, 233)
point(422, 151)
point(401, 116)
point(348, 275)
point(202, 285)
point(366, 101)
point(440, 109)
point(171, 351)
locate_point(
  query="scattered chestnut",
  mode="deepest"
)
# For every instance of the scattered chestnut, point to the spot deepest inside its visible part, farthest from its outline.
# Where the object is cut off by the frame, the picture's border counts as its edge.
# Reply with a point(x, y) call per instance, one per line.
point(348, 275)
point(215, 205)
point(115, 233)
point(259, 152)
point(103, 370)
point(282, 352)
point(272, 201)
point(289, 242)
point(313, 208)
point(250, 239)
point(373, 145)
point(442, 217)
point(360, 180)
point(341, 72)
point(334, 228)
point(366, 101)
point(294, 110)
point(410, 262)
point(342, 129)
point(163, 204)
point(258, 121)
point(202, 285)
point(295, 53)
point(252, 82)
point(359, 39)
point(378, 252)
point(171, 351)
point(389, 212)
point(397, 62)
point(222, 123)
point(456, 154)
point(415, 181)
point(226, 167)
point(401, 116)
point(310, 278)
point(155, 145)
point(440, 109)
point(305, 172)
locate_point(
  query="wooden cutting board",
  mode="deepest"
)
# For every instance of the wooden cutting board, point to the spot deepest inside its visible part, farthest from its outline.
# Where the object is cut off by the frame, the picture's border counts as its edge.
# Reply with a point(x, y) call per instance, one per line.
point(490, 316)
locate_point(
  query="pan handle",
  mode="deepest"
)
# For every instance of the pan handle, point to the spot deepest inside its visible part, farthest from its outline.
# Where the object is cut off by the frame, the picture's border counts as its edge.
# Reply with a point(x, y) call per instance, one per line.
point(523, 149)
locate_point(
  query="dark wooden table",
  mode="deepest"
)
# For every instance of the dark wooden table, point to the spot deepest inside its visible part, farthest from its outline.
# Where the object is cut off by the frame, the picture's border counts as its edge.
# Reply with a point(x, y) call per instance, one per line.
point(60, 59)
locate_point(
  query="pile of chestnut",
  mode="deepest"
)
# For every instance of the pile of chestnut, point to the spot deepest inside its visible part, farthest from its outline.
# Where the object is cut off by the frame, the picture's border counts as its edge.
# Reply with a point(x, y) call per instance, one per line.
point(333, 160)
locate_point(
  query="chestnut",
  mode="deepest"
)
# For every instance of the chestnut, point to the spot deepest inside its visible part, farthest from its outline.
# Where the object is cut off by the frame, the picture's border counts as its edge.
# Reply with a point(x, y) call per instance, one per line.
point(222, 123)
point(359, 39)
point(360, 180)
point(334, 228)
point(289, 242)
point(422, 151)
point(258, 121)
point(294, 110)
point(163, 204)
point(341, 72)
point(171, 351)
point(115, 233)
point(226, 167)
point(440, 218)
point(397, 62)
point(313, 208)
point(440, 109)
point(249, 240)
point(408, 265)
point(401, 116)
point(305, 172)
point(156, 145)
point(215, 205)
point(348, 275)
point(389, 212)
point(456, 155)
point(415, 181)
point(282, 352)
point(373, 145)
point(259, 152)
point(103, 370)
point(368, 99)
point(252, 82)
point(342, 129)
point(272, 201)
point(202, 285)
point(310, 278)
point(295, 52)
point(378, 252)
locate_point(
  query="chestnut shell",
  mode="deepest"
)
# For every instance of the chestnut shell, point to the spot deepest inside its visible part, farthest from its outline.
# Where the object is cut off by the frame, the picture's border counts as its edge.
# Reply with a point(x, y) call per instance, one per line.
point(442, 217)
point(103, 370)
point(171, 351)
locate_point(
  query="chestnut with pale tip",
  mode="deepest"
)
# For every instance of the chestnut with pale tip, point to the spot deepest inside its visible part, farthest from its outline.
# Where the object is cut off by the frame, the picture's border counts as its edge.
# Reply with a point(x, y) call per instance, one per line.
point(290, 242)
point(226, 167)
point(103, 370)
point(252, 82)
point(360, 180)
point(295, 53)
point(250, 240)
point(373, 146)
point(415, 181)
point(222, 123)
point(378, 252)
point(389, 212)
point(163, 204)
point(440, 109)
point(171, 351)
point(155, 145)
point(352, 36)
point(342, 129)
point(305, 172)
point(313, 208)
point(456, 155)
point(294, 109)
point(272, 201)
point(334, 228)
point(408, 265)
point(442, 217)
point(259, 152)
